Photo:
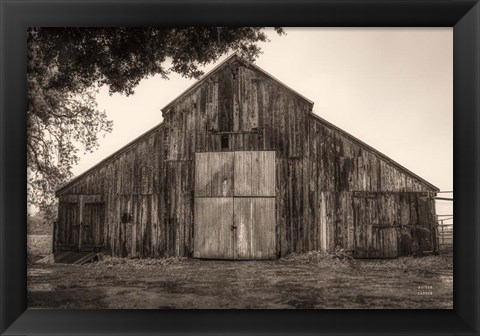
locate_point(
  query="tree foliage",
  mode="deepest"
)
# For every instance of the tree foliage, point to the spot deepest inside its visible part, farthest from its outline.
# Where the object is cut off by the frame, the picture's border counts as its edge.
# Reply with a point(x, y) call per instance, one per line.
point(67, 65)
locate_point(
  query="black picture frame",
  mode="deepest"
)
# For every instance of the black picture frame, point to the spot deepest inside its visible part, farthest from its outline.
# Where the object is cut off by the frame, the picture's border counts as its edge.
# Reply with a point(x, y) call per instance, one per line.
point(462, 15)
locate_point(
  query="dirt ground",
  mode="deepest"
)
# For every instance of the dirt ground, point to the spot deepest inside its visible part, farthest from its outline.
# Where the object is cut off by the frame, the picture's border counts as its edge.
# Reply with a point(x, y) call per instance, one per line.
point(312, 280)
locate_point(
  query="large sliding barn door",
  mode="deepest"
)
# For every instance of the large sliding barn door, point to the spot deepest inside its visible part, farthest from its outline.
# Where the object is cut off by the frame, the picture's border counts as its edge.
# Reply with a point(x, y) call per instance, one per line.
point(213, 205)
point(254, 205)
point(235, 205)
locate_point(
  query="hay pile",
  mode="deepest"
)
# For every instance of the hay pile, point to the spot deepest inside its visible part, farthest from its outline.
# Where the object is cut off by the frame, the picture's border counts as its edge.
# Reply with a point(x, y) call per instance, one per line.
point(341, 258)
point(134, 263)
point(336, 259)
point(432, 263)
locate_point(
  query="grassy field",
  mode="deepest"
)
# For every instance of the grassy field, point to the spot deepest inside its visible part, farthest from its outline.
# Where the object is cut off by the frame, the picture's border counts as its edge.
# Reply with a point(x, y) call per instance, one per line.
point(313, 280)
point(39, 244)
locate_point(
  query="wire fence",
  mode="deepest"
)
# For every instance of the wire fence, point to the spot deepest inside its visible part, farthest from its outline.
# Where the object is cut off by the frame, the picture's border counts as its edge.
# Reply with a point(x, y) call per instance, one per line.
point(445, 226)
point(445, 233)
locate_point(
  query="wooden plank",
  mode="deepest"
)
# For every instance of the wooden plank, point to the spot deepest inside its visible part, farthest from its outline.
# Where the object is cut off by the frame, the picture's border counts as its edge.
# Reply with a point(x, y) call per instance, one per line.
point(225, 93)
point(366, 242)
point(263, 173)
point(282, 206)
point(125, 229)
point(93, 223)
point(376, 221)
point(60, 257)
point(339, 221)
point(163, 211)
point(83, 258)
point(154, 235)
point(243, 173)
point(77, 258)
point(74, 221)
point(290, 129)
point(68, 223)
point(172, 196)
point(313, 199)
point(405, 233)
point(388, 242)
point(254, 173)
point(188, 208)
point(254, 219)
point(306, 214)
point(214, 174)
point(236, 100)
point(298, 201)
point(349, 221)
point(146, 226)
point(323, 221)
point(213, 237)
point(425, 227)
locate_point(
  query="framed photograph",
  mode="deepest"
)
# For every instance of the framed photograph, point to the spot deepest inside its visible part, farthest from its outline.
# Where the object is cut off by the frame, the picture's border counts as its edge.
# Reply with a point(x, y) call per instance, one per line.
point(290, 178)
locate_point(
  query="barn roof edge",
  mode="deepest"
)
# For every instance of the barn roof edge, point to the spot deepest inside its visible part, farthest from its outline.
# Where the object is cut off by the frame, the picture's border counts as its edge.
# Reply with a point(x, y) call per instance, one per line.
point(108, 158)
point(376, 151)
point(235, 56)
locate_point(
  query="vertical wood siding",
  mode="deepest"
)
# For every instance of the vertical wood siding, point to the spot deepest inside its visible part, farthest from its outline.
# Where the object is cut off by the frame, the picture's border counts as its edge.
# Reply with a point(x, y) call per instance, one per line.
point(319, 169)
point(93, 222)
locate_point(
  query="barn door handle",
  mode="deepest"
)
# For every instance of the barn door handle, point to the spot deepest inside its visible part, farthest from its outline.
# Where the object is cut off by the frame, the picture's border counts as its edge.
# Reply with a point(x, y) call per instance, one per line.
point(233, 227)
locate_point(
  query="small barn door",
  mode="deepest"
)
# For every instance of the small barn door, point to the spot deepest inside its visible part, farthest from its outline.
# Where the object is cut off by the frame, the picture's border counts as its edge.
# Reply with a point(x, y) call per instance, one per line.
point(375, 234)
point(92, 227)
point(235, 205)
point(68, 228)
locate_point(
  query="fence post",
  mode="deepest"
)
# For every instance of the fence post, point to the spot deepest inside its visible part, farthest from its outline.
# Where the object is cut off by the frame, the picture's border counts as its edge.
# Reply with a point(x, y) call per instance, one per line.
point(443, 235)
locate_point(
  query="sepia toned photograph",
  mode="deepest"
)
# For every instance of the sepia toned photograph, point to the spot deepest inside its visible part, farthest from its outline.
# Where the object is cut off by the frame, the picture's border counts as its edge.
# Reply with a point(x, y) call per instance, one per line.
point(240, 168)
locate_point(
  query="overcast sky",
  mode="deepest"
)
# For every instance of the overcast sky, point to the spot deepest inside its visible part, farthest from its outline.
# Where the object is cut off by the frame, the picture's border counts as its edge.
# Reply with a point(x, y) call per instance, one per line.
point(390, 87)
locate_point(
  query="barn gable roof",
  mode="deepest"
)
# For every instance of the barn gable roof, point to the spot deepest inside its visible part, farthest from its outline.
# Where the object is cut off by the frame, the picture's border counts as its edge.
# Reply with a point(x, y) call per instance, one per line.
point(226, 62)
point(230, 59)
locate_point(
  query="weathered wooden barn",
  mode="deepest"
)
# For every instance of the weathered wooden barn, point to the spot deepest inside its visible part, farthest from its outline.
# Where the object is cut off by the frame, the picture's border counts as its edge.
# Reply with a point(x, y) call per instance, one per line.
point(241, 168)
